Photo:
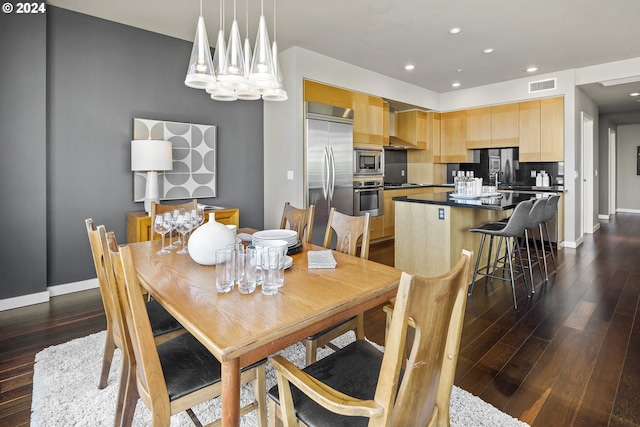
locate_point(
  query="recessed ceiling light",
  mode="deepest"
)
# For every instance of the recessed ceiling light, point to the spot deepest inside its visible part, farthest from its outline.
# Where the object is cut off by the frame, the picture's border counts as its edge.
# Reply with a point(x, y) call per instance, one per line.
point(634, 94)
point(456, 84)
point(409, 67)
point(488, 50)
point(455, 30)
point(532, 69)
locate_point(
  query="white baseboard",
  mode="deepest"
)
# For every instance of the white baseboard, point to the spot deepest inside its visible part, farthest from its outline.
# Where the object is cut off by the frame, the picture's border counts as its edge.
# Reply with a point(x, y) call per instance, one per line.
point(52, 291)
point(628, 210)
point(573, 245)
point(596, 227)
point(69, 288)
point(604, 217)
point(24, 300)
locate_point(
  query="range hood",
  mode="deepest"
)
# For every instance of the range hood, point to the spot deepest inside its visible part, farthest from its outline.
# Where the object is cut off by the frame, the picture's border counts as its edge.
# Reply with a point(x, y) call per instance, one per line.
point(396, 143)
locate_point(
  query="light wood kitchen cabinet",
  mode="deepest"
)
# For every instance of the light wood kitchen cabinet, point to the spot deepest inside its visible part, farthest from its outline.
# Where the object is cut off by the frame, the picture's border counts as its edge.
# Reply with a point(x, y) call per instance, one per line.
point(385, 124)
point(435, 134)
point(368, 114)
point(411, 126)
point(479, 128)
point(376, 227)
point(541, 126)
point(453, 143)
point(504, 126)
point(328, 95)
point(552, 129)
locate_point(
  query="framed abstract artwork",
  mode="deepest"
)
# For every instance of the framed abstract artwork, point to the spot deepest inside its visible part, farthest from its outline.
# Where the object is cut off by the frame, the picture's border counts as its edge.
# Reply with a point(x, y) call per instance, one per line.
point(194, 159)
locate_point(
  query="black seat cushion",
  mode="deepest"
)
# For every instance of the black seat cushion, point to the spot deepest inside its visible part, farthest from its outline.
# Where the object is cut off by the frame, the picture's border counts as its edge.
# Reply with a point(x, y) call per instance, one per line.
point(161, 321)
point(353, 370)
point(188, 366)
point(321, 333)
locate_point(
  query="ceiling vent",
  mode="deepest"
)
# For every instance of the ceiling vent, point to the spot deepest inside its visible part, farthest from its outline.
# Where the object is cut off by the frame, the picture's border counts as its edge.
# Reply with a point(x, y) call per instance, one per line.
point(542, 85)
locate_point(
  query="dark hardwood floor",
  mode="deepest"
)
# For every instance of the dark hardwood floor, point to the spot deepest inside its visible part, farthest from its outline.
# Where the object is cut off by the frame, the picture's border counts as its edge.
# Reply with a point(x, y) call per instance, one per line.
point(570, 356)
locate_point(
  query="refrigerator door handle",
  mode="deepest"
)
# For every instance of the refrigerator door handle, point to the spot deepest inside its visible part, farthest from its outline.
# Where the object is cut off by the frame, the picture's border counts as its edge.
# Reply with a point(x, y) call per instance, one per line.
point(325, 174)
point(333, 172)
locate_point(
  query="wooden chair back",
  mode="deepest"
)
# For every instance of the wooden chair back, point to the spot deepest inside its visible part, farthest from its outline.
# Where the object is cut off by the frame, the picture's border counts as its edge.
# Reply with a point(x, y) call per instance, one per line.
point(300, 220)
point(161, 208)
point(152, 387)
point(102, 265)
point(436, 307)
point(349, 231)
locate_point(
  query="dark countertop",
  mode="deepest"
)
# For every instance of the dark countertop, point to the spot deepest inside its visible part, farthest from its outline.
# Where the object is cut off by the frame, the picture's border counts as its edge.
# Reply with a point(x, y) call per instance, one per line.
point(411, 185)
point(509, 200)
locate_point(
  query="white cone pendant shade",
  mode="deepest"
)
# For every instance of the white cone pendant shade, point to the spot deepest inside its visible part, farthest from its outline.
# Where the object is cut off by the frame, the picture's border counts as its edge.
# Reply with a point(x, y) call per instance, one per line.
point(220, 55)
point(249, 93)
point(262, 73)
point(233, 75)
point(277, 93)
point(200, 73)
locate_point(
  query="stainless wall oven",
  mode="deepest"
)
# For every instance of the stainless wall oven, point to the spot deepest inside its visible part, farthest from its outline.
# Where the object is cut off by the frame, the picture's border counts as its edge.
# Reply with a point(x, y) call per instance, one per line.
point(368, 162)
point(368, 196)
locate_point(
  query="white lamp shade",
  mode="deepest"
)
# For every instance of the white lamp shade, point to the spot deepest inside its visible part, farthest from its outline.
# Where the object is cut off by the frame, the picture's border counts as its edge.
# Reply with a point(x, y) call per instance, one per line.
point(151, 155)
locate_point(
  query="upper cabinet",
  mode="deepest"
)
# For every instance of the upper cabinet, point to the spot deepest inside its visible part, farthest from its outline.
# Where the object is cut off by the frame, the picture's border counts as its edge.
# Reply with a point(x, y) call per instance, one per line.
point(325, 94)
point(385, 124)
point(479, 128)
point(453, 133)
point(542, 130)
point(504, 126)
point(411, 126)
point(493, 127)
point(368, 118)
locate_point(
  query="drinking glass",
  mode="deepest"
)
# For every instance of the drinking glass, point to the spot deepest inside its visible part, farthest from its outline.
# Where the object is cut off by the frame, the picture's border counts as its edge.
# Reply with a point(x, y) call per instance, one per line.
point(252, 274)
point(162, 225)
point(270, 262)
point(184, 225)
point(225, 270)
point(238, 251)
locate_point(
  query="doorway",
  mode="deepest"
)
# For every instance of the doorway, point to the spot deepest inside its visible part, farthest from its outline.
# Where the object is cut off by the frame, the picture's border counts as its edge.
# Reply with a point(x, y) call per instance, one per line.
point(612, 171)
point(587, 174)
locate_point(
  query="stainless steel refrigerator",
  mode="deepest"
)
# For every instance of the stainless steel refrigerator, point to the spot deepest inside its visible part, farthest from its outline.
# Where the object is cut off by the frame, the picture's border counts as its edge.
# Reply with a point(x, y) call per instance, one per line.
point(329, 163)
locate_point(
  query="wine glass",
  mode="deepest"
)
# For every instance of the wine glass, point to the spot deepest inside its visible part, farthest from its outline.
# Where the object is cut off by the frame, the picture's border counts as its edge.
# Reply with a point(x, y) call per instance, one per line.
point(184, 225)
point(162, 225)
point(200, 216)
point(174, 217)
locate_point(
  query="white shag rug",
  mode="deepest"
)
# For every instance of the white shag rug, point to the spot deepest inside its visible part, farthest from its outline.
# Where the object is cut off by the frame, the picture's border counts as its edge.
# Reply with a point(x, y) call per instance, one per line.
point(65, 391)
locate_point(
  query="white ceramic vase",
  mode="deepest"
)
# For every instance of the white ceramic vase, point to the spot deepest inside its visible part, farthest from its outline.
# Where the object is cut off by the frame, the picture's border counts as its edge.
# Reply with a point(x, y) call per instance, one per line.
point(207, 239)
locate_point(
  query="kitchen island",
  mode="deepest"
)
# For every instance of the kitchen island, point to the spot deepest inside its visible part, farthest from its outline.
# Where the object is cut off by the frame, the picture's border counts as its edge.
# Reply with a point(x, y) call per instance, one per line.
point(432, 229)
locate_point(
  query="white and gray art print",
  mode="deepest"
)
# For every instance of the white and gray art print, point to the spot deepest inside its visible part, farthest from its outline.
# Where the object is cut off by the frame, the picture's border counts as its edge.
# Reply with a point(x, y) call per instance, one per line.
point(194, 159)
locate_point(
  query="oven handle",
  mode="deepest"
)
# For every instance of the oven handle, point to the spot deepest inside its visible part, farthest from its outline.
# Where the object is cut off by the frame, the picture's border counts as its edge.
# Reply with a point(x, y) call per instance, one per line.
point(360, 190)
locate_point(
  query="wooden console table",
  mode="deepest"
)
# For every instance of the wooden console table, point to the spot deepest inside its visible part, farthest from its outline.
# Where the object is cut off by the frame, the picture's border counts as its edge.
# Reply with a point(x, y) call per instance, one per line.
point(139, 223)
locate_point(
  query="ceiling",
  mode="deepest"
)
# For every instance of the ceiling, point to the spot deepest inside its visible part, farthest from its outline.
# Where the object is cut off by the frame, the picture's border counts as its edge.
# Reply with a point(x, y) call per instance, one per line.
point(384, 35)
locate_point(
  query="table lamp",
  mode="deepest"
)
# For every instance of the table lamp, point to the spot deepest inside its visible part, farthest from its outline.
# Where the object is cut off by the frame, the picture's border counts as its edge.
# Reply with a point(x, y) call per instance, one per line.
point(151, 156)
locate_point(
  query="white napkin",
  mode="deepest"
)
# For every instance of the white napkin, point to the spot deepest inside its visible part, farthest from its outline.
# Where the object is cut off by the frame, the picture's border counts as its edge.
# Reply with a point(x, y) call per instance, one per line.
point(321, 259)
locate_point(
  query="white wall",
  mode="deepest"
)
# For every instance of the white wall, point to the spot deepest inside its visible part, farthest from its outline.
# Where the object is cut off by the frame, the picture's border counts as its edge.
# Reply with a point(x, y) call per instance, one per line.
point(628, 141)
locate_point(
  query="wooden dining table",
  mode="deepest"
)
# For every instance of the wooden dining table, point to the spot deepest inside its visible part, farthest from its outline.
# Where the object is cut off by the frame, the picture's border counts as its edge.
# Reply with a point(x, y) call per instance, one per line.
point(241, 329)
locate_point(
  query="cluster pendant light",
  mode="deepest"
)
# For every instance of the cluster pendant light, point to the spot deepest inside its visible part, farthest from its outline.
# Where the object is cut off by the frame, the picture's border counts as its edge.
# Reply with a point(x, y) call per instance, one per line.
point(233, 73)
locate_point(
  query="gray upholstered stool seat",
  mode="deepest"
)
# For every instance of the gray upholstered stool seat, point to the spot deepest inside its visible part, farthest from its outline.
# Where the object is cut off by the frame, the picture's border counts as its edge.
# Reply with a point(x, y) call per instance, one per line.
point(509, 230)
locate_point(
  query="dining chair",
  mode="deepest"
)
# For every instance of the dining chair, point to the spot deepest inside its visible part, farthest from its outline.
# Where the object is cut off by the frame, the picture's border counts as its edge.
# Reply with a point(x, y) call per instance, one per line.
point(160, 208)
point(163, 325)
point(178, 374)
point(360, 380)
point(300, 220)
point(349, 231)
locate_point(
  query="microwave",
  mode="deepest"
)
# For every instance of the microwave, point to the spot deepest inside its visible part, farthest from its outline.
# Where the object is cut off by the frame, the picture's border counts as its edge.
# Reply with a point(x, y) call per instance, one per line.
point(368, 161)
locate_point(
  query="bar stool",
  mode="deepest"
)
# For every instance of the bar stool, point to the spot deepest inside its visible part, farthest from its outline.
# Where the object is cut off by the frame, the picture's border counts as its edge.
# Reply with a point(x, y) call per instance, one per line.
point(550, 211)
point(536, 215)
point(509, 230)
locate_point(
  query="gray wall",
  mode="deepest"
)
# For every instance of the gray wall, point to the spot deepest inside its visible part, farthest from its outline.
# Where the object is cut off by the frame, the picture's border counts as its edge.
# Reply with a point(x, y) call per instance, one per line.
point(23, 258)
point(628, 141)
point(100, 75)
